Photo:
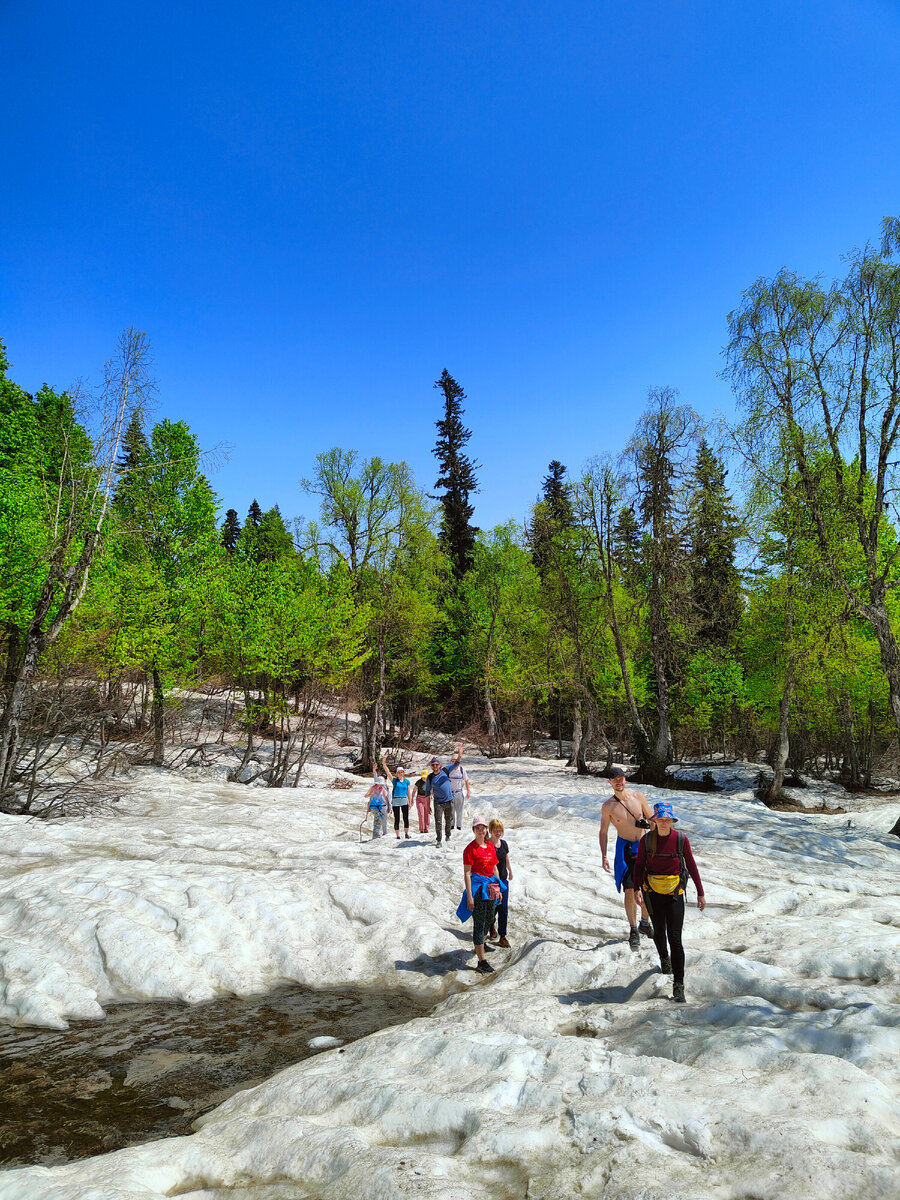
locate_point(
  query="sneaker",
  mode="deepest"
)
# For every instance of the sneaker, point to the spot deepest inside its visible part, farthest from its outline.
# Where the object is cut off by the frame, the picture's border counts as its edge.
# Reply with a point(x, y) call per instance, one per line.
point(438, 842)
point(398, 832)
point(504, 943)
point(489, 949)
point(493, 933)
point(634, 938)
point(646, 929)
point(665, 966)
point(678, 993)
point(484, 968)
point(406, 834)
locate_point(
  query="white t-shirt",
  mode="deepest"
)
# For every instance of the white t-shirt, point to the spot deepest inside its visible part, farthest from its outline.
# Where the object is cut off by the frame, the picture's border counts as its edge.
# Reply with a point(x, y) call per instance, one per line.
point(458, 778)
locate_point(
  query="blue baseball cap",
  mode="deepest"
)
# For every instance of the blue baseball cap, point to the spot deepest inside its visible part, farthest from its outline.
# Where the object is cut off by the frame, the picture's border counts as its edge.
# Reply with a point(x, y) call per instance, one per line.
point(662, 810)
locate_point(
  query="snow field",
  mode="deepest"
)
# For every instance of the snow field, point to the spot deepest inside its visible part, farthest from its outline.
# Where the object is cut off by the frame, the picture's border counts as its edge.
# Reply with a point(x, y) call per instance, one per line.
point(568, 1073)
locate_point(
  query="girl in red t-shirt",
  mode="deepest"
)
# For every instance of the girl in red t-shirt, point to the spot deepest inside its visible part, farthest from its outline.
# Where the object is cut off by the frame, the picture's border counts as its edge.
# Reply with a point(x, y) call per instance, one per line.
point(480, 858)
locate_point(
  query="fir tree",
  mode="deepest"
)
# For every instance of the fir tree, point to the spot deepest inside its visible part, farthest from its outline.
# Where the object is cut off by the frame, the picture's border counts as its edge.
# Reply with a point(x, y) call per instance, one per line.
point(457, 477)
point(713, 530)
point(132, 455)
point(557, 496)
point(231, 530)
point(254, 515)
point(267, 540)
point(628, 546)
point(552, 515)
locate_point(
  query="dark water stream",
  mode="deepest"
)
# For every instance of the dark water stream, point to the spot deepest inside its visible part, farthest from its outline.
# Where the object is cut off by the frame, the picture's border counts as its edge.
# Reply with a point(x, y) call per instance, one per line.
point(149, 1070)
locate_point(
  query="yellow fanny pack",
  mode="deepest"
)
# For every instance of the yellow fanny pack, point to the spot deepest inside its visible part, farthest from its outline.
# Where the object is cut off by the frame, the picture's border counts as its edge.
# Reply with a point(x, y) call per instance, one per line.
point(665, 885)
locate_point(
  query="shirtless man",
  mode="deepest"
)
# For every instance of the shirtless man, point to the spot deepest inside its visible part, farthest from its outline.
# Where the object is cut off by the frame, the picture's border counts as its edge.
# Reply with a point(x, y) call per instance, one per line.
point(629, 813)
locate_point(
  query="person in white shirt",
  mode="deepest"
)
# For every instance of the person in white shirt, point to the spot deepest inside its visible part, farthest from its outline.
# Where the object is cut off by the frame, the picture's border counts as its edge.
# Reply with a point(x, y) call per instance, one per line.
point(459, 782)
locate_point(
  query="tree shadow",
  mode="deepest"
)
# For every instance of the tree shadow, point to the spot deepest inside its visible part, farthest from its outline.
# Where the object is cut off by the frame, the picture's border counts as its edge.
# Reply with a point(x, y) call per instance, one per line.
point(616, 994)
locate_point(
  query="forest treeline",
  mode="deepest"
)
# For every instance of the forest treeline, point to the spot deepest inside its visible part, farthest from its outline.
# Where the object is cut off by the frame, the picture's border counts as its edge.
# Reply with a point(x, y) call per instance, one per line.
point(726, 590)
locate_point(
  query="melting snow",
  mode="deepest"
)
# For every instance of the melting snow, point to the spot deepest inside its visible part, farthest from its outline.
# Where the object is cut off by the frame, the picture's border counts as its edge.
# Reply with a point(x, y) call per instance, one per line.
point(568, 1073)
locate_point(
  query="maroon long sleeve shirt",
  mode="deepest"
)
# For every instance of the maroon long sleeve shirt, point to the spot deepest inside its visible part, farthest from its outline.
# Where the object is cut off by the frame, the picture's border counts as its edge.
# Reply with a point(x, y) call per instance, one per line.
point(665, 860)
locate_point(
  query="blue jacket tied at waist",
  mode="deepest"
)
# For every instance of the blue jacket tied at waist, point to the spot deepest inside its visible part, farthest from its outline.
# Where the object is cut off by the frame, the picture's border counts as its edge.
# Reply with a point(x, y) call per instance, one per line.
point(480, 884)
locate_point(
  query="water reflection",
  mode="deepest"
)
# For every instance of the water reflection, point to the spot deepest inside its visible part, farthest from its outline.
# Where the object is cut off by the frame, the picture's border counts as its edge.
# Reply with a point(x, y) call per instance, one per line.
point(149, 1070)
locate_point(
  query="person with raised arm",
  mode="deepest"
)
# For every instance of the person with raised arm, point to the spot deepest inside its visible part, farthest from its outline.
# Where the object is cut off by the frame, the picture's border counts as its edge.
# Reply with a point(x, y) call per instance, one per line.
point(438, 786)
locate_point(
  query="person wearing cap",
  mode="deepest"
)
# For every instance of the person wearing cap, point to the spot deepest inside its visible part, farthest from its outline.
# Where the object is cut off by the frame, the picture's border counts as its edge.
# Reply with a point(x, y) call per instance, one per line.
point(664, 861)
point(629, 814)
point(423, 803)
point(438, 785)
point(399, 798)
point(462, 790)
point(483, 889)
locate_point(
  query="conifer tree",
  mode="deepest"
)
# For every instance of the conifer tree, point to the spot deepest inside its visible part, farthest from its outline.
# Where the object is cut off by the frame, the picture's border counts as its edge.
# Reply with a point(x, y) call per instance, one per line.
point(268, 539)
point(456, 476)
point(713, 530)
point(557, 496)
point(231, 530)
point(254, 515)
point(628, 546)
point(133, 454)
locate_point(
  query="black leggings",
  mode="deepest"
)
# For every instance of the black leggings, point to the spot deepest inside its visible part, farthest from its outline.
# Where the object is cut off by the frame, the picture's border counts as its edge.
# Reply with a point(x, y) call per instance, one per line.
point(668, 921)
point(398, 809)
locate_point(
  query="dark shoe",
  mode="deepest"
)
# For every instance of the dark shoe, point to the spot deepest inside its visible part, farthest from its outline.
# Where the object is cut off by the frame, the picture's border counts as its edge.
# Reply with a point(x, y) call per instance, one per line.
point(634, 938)
point(493, 933)
point(489, 949)
point(678, 993)
point(504, 943)
point(646, 929)
point(438, 842)
point(484, 968)
point(665, 966)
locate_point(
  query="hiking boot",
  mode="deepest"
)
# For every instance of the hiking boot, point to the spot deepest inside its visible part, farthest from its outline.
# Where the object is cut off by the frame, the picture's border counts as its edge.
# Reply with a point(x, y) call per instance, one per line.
point(484, 968)
point(678, 993)
point(504, 943)
point(665, 966)
point(646, 929)
point(634, 938)
point(493, 933)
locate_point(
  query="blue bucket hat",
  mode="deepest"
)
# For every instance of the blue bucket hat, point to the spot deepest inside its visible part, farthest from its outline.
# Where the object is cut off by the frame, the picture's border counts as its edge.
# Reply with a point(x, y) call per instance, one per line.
point(663, 809)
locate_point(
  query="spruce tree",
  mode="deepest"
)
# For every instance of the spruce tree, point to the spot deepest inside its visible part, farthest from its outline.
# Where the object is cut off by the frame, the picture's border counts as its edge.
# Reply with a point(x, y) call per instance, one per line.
point(713, 530)
point(628, 546)
point(268, 540)
point(557, 496)
point(552, 515)
point(231, 530)
point(132, 455)
point(254, 515)
point(457, 478)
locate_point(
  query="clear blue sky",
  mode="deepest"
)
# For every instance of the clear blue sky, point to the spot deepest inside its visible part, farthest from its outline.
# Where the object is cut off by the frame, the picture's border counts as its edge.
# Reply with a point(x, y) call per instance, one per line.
point(312, 208)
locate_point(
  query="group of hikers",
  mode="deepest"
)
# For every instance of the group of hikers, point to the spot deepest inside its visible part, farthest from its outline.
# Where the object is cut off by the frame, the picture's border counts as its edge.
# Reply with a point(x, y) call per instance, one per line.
point(651, 866)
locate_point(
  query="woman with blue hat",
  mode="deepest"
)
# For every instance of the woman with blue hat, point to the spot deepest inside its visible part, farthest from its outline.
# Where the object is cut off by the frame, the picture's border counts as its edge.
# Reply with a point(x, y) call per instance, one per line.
point(664, 862)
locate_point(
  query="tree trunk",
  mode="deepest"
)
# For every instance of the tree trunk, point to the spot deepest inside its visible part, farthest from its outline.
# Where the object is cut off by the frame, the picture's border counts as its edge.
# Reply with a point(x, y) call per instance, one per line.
point(850, 751)
point(490, 715)
point(159, 703)
point(584, 744)
point(372, 715)
point(783, 744)
point(577, 732)
point(877, 614)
